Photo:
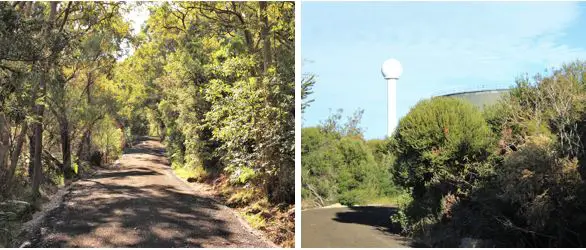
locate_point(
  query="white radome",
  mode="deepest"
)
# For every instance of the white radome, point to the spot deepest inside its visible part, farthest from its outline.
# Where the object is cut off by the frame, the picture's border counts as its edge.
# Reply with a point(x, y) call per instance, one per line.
point(392, 69)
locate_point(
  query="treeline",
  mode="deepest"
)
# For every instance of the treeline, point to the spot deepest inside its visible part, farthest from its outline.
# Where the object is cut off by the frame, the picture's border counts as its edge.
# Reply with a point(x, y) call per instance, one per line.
point(58, 107)
point(511, 175)
point(340, 166)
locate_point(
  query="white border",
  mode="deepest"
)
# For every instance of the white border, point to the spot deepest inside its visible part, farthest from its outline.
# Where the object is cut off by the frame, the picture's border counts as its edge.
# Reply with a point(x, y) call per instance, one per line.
point(297, 124)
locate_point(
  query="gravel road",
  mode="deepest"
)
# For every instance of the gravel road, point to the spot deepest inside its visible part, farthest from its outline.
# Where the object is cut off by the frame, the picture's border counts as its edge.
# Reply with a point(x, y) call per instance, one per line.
point(140, 203)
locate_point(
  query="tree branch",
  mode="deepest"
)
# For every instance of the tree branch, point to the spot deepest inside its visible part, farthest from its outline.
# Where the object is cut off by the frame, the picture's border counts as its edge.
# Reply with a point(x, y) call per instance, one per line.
point(67, 10)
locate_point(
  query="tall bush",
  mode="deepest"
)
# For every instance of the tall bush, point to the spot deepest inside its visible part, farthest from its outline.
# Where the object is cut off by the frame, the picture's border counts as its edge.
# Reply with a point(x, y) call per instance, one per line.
point(440, 145)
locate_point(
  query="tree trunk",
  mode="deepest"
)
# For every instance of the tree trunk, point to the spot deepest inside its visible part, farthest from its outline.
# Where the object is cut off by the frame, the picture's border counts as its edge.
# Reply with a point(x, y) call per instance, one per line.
point(16, 154)
point(66, 149)
point(31, 152)
point(4, 146)
point(87, 136)
point(38, 142)
point(81, 151)
point(266, 47)
point(123, 141)
point(31, 137)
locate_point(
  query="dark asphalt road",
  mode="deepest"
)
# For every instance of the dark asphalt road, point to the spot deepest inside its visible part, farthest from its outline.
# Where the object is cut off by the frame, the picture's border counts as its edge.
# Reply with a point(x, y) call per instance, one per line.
point(141, 204)
point(358, 227)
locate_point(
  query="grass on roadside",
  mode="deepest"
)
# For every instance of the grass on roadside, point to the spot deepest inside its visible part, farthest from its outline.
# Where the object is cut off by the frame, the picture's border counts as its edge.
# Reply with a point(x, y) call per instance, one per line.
point(256, 221)
point(394, 200)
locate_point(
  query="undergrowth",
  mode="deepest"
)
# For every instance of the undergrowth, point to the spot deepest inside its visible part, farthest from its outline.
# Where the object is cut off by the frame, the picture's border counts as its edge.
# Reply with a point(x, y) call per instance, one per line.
point(276, 221)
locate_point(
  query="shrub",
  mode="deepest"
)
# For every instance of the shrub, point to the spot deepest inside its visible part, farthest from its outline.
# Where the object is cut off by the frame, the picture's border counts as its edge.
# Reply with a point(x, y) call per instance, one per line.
point(440, 145)
point(319, 162)
point(546, 191)
point(337, 167)
point(96, 158)
point(357, 176)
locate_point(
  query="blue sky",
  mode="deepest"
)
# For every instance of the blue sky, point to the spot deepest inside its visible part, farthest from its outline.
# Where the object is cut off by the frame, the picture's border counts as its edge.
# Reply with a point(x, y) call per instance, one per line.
point(442, 47)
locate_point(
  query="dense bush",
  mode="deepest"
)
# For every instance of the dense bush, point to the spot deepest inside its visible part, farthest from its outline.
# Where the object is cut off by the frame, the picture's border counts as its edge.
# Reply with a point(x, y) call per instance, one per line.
point(541, 183)
point(440, 146)
point(110, 141)
point(546, 191)
point(529, 192)
point(319, 162)
point(357, 175)
point(338, 165)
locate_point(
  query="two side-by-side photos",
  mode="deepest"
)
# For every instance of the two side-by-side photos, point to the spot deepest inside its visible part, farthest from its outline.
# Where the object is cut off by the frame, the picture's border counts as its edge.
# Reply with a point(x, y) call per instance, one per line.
point(292, 124)
point(443, 124)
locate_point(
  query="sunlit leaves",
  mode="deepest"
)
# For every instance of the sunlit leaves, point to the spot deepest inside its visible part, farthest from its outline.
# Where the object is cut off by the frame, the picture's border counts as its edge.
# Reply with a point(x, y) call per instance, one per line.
point(200, 72)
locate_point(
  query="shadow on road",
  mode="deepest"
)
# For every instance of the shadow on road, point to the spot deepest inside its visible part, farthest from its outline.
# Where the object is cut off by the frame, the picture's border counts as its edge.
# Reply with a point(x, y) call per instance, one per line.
point(124, 174)
point(378, 217)
point(359, 227)
point(151, 216)
point(134, 207)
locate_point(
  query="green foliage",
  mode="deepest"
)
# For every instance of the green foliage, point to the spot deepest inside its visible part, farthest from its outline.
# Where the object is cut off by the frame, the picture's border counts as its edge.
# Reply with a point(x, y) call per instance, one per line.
point(75, 167)
point(440, 146)
point(55, 73)
point(56, 179)
point(542, 185)
point(109, 139)
point(319, 162)
point(222, 104)
point(339, 166)
point(240, 175)
point(438, 142)
point(527, 192)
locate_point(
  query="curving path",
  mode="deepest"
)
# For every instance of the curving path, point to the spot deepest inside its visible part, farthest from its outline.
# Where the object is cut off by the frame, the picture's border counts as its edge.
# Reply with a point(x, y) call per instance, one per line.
point(141, 203)
point(357, 227)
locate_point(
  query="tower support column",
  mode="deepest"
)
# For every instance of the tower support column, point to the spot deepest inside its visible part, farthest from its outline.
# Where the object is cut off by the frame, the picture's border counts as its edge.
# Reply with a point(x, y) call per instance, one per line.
point(391, 106)
point(391, 71)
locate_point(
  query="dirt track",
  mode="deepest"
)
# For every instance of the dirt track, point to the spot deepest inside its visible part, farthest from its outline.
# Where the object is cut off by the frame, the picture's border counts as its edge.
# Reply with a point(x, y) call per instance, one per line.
point(357, 227)
point(140, 203)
